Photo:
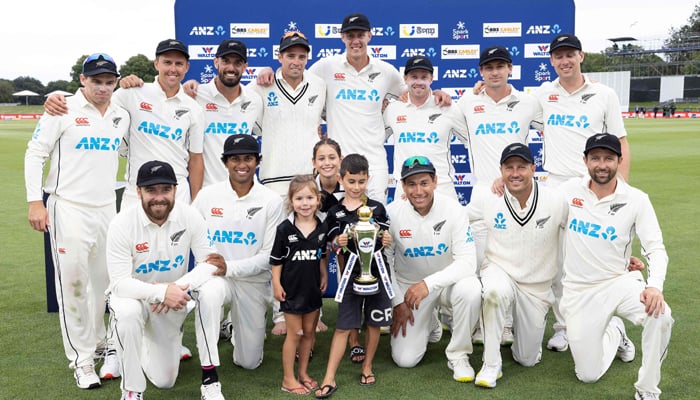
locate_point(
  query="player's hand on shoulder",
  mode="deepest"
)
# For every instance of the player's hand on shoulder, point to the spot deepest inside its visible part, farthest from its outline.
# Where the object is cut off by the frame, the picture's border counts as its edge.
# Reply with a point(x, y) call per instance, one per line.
point(478, 87)
point(265, 77)
point(190, 87)
point(653, 301)
point(130, 81)
point(442, 99)
point(55, 105)
point(219, 262)
point(498, 187)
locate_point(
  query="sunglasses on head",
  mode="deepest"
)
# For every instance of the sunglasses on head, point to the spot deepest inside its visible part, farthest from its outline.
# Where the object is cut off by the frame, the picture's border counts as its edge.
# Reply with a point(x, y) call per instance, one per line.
point(416, 160)
point(96, 56)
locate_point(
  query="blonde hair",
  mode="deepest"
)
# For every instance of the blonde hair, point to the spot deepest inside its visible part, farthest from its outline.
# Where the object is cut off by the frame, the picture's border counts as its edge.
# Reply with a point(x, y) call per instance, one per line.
point(298, 183)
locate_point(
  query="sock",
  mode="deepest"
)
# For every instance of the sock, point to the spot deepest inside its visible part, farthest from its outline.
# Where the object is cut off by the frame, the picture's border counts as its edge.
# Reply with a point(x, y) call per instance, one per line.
point(209, 375)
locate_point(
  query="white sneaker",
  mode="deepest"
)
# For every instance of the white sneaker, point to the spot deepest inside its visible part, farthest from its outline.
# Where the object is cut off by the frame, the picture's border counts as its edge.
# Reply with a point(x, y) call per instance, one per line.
point(488, 376)
point(185, 353)
point(478, 336)
point(625, 350)
point(85, 377)
point(226, 330)
point(558, 342)
point(128, 395)
point(461, 370)
point(110, 367)
point(507, 336)
point(211, 391)
point(639, 395)
point(436, 332)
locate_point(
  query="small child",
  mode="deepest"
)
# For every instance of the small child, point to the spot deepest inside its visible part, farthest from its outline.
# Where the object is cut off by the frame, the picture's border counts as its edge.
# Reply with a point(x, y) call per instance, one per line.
point(354, 174)
point(326, 161)
point(299, 278)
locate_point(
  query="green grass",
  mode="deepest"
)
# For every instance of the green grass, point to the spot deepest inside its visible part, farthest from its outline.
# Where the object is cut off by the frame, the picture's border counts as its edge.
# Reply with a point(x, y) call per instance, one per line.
point(665, 164)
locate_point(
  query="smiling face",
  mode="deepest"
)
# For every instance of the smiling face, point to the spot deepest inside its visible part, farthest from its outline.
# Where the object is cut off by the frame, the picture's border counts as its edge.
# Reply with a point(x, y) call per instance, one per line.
point(495, 73)
point(567, 62)
point(157, 201)
point(293, 62)
point(231, 68)
point(327, 161)
point(354, 185)
point(172, 67)
point(418, 82)
point(420, 191)
point(356, 43)
point(602, 165)
point(517, 175)
point(306, 200)
point(241, 168)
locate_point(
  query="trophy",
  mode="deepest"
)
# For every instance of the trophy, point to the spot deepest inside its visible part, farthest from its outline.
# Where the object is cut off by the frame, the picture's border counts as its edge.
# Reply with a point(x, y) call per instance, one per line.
point(365, 234)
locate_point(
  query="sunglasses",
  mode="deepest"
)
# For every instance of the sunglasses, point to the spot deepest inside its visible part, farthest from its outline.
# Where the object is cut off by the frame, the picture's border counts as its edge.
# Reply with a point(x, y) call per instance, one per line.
point(97, 56)
point(292, 33)
point(416, 160)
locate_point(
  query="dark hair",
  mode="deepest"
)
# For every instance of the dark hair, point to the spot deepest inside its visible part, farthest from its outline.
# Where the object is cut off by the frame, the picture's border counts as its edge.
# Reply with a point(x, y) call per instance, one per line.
point(258, 157)
point(329, 142)
point(354, 164)
point(298, 183)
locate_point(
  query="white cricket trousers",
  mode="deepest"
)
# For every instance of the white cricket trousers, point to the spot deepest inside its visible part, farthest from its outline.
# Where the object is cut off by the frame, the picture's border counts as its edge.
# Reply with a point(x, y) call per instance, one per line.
point(530, 304)
point(594, 341)
point(78, 246)
point(249, 302)
point(464, 298)
point(147, 343)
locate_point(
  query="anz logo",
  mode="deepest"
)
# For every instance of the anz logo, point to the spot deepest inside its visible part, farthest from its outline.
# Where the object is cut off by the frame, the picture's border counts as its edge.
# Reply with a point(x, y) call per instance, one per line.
point(227, 128)
point(593, 230)
point(382, 31)
point(543, 29)
point(233, 237)
point(207, 31)
point(358, 95)
point(499, 221)
point(272, 100)
point(328, 52)
point(98, 143)
point(307, 255)
point(160, 130)
point(426, 251)
point(570, 121)
point(460, 73)
point(160, 265)
point(497, 128)
point(459, 158)
point(418, 137)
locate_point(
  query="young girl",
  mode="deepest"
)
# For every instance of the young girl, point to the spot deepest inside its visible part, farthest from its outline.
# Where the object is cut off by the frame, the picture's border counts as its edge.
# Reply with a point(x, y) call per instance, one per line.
point(299, 278)
point(326, 161)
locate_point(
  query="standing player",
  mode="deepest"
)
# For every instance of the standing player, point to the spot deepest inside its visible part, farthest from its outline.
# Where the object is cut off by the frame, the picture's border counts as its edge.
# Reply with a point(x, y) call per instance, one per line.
point(434, 263)
point(420, 127)
point(605, 213)
point(241, 218)
point(82, 146)
point(524, 227)
point(148, 247)
point(574, 109)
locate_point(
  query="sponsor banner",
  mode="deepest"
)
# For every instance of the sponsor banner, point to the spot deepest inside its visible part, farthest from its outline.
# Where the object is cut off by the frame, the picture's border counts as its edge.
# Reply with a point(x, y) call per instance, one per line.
point(240, 30)
point(208, 30)
point(460, 51)
point(515, 74)
point(418, 31)
point(276, 51)
point(202, 52)
point(503, 29)
point(536, 50)
point(385, 52)
point(4, 117)
point(327, 31)
point(455, 92)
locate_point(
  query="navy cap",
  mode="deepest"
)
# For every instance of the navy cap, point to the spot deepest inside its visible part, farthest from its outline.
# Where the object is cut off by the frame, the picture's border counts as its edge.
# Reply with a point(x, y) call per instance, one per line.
point(172, 45)
point(232, 46)
point(355, 22)
point(565, 40)
point(418, 62)
point(240, 144)
point(154, 173)
point(603, 141)
point(517, 150)
point(495, 53)
point(416, 165)
point(294, 39)
point(99, 63)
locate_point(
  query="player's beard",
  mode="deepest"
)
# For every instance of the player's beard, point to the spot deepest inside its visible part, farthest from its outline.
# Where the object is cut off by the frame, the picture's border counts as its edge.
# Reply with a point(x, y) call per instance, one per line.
point(159, 215)
point(229, 82)
point(603, 179)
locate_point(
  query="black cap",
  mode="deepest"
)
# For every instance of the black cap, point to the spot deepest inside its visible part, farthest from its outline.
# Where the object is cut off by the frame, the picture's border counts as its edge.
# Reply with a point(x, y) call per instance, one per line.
point(154, 173)
point(240, 144)
point(172, 45)
point(355, 22)
point(99, 63)
point(565, 40)
point(418, 62)
point(294, 39)
point(495, 53)
point(603, 141)
point(517, 150)
point(416, 165)
point(232, 46)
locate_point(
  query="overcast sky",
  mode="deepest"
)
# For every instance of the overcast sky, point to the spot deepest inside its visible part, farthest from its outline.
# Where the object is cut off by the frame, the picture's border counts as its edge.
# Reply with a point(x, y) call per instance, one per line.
point(34, 43)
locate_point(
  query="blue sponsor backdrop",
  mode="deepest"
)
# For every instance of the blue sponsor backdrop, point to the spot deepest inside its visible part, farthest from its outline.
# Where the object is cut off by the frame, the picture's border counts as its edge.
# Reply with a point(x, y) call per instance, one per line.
point(451, 32)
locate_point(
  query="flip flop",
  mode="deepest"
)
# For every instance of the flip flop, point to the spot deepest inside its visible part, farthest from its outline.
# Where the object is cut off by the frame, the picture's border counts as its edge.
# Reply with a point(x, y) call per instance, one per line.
point(293, 390)
point(310, 384)
point(359, 352)
point(324, 395)
point(364, 379)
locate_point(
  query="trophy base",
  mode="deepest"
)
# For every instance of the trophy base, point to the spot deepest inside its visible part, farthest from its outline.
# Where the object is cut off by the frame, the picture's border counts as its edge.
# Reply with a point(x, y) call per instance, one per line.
point(365, 288)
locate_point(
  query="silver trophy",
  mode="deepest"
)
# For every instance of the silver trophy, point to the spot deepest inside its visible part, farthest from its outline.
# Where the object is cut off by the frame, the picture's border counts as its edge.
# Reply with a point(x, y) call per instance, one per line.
point(365, 235)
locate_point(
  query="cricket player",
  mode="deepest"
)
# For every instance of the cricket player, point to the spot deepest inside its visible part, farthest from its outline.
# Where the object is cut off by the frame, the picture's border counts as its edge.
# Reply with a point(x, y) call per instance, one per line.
point(420, 127)
point(605, 213)
point(524, 226)
point(241, 220)
point(148, 247)
point(434, 264)
point(82, 146)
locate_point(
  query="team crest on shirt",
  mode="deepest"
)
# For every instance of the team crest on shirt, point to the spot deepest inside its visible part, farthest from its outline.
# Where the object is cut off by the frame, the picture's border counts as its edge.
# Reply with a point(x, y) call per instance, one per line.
point(401, 119)
point(615, 207)
point(585, 97)
point(540, 222)
point(373, 76)
point(175, 237)
point(553, 98)
point(116, 121)
point(478, 109)
point(244, 107)
point(438, 227)
point(512, 105)
point(252, 211)
point(312, 100)
point(179, 113)
point(292, 238)
point(432, 118)
point(321, 236)
point(577, 202)
point(340, 214)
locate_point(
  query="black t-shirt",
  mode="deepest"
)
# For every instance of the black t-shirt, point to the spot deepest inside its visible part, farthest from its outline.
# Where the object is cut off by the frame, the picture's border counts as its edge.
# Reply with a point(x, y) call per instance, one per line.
point(300, 258)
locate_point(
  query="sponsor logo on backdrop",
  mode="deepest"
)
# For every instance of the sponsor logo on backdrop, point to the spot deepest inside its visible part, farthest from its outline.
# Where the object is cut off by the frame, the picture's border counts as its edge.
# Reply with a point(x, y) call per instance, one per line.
point(327, 31)
point(536, 50)
point(542, 74)
point(504, 29)
point(239, 30)
point(208, 74)
point(260, 52)
point(455, 92)
point(460, 32)
point(250, 73)
point(418, 31)
point(385, 52)
point(202, 52)
point(543, 30)
point(419, 51)
point(436, 72)
point(383, 31)
point(459, 51)
point(291, 27)
point(461, 73)
point(327, 52)
point(204, 30)
point(515, 74)
point(276, 51)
